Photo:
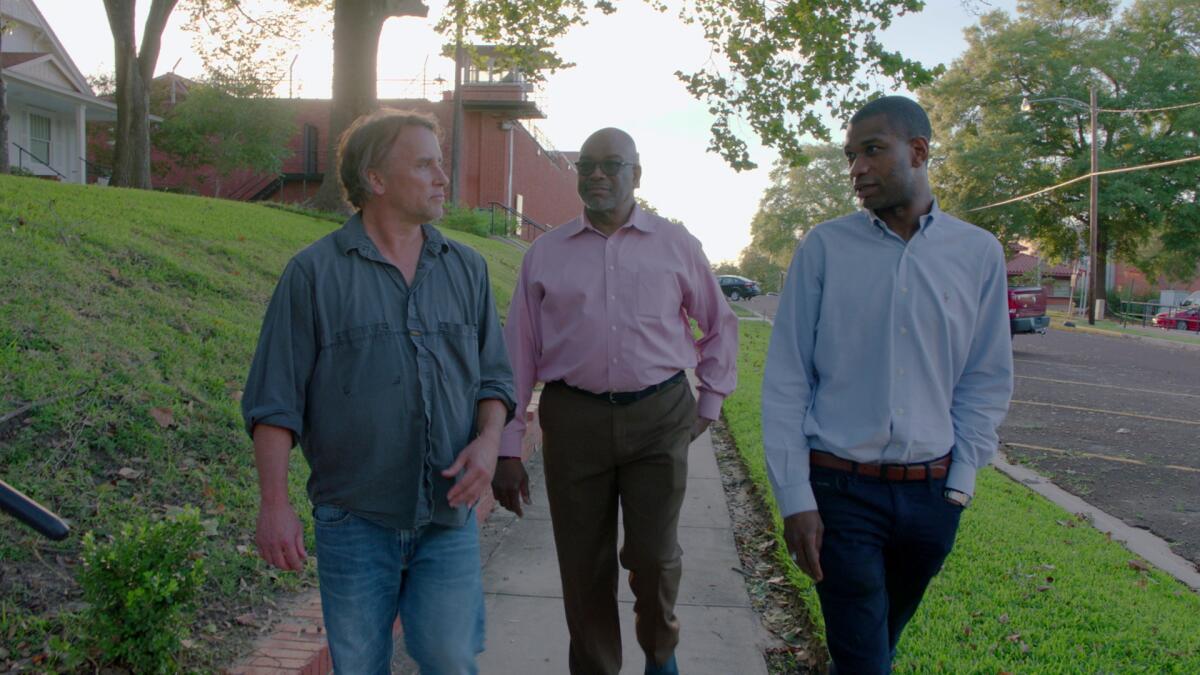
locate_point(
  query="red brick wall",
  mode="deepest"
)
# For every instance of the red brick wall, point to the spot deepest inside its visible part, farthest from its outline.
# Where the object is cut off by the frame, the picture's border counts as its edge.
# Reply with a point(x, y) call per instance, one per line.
point(545, 180)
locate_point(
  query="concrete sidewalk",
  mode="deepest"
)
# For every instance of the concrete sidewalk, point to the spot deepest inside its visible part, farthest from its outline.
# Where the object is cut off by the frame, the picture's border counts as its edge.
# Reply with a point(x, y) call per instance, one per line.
point(526, 628)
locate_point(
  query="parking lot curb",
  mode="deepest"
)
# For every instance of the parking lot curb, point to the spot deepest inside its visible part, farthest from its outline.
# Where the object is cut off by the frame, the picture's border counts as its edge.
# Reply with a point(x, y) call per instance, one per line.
point(1112, 333)
point(1154, 549)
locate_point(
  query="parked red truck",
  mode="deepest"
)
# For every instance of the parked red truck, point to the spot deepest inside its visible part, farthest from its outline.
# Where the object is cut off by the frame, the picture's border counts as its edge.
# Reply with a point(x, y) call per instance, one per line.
point(1027, 310)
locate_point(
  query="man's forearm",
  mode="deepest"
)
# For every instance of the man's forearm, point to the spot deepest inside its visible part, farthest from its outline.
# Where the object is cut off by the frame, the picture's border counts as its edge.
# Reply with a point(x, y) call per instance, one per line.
point(490, 416)
point(272, 449)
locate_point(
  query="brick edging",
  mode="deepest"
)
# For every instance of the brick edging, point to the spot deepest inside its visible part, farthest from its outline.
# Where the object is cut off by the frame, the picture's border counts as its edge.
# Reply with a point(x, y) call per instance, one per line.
point(298, 645)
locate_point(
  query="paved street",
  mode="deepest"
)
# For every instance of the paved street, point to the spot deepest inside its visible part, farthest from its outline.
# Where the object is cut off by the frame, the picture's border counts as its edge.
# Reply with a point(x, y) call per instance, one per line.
point(1115, 421)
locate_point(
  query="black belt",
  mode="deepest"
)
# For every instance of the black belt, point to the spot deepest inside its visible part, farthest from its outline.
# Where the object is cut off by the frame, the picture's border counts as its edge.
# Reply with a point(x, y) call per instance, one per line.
point(624, 397)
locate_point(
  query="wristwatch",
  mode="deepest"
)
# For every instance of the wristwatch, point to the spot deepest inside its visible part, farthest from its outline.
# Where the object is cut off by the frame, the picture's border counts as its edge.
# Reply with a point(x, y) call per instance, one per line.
point(956, 497)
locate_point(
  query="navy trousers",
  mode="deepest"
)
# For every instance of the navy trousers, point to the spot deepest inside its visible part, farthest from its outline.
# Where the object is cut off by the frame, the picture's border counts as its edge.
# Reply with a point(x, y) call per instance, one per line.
point(883, 543)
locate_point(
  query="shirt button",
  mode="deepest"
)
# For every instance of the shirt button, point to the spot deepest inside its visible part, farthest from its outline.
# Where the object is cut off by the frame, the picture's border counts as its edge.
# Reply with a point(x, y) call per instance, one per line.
point(612, 267)
point(904, 289)
point(414, 333)
point(903, 330)
point(614, 360)
point(612, 297)
point(899, 371)
point(899, 411)
point(614, 329)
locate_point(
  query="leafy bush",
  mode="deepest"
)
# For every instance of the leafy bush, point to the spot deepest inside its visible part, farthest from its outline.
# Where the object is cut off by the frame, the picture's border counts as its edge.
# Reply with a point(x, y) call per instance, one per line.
point(140, 588)
point(466, 219)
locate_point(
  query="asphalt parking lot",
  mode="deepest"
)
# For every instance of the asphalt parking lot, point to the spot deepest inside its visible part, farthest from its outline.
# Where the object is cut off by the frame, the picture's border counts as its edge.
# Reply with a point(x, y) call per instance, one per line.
point(1116, 422)
point(1113, 420)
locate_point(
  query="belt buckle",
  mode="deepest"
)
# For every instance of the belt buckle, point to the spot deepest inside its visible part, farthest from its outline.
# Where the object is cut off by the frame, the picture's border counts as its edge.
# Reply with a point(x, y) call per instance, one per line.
point(612, 397)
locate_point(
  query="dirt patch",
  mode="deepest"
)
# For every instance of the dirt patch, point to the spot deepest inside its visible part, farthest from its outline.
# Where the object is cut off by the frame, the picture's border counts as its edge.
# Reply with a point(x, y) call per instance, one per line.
point(777, 603)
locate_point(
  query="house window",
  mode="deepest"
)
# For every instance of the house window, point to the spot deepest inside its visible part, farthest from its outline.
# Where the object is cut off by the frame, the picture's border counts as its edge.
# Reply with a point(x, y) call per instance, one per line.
point(1061, 288)
point(39, 137)
point(310, 149)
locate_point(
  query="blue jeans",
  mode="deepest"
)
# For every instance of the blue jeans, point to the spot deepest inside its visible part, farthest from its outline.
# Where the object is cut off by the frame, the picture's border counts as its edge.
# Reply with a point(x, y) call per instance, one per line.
point(430, 577)
point(883, 543)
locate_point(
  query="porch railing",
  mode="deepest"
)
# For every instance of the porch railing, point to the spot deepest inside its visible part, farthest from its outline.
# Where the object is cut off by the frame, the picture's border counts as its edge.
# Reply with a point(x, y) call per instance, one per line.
point(21, 152)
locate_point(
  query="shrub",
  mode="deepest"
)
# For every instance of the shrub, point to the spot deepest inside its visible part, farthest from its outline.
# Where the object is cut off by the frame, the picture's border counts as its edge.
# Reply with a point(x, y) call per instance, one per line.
point(140, 587)
point(466, 219)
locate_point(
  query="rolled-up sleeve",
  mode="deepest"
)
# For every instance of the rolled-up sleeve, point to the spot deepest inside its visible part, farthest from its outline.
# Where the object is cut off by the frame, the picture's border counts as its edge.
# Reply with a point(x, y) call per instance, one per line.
point(521, 338)
point(788, 380)
point(495, 373)
point(983, 391)
point(284, 359)
point(716, 366)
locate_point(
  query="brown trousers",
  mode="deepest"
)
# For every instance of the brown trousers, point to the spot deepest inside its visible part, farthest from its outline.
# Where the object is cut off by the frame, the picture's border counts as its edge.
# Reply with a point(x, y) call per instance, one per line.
point(595, 454)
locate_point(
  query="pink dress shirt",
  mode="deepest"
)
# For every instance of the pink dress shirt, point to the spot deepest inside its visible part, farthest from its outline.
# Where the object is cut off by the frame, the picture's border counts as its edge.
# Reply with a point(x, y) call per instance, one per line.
point(611, 314)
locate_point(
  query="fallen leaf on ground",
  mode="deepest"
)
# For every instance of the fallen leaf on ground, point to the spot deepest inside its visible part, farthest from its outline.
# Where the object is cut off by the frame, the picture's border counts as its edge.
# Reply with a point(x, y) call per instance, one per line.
point(128, 473)
point(247, 620)
point(1138, 565)
point(163, 416)
point(1003, 618)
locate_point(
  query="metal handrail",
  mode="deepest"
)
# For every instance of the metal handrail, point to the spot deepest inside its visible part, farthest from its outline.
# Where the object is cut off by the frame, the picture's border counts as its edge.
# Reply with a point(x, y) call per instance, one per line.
point(99, 169)
point(521, 218)
point(36, 159)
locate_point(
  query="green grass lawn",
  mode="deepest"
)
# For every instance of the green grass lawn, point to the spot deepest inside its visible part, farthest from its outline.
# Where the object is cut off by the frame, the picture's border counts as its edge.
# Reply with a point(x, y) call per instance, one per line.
point(1029, 588)
point(120, 305)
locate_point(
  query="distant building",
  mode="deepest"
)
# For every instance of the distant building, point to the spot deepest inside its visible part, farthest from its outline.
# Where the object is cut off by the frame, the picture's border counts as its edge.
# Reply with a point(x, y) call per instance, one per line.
point(49, 100)
point(504, 162)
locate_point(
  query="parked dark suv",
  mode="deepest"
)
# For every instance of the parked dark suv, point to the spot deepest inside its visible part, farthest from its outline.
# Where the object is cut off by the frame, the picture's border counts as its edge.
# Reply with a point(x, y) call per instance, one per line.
point(736, 288)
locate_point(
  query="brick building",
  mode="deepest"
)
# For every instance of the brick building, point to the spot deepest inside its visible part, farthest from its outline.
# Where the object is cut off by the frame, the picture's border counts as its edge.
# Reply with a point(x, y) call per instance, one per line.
point(504, 162)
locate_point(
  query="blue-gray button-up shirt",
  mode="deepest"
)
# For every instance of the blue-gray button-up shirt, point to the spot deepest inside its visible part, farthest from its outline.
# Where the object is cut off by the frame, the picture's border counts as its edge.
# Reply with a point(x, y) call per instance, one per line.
point(377, 379)
point(887, 351)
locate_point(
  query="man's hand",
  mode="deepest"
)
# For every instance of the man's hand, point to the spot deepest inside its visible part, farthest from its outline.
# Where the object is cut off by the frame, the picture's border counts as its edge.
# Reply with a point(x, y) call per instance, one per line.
point(699, 426)
point(476, 463)
point(280, 537)
point(803, 532)
point(511, 485)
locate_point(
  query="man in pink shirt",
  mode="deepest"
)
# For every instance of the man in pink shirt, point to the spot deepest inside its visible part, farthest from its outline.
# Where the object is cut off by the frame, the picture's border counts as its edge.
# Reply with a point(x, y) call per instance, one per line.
point(600, 314)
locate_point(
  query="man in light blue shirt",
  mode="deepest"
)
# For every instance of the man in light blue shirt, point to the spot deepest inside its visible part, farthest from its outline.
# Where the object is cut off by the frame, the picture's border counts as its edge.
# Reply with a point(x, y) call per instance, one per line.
point(889, 370)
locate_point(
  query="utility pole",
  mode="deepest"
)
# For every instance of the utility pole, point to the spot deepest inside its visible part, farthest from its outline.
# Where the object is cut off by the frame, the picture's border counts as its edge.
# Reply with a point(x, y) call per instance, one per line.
point(457, 122)
point(1096, 276)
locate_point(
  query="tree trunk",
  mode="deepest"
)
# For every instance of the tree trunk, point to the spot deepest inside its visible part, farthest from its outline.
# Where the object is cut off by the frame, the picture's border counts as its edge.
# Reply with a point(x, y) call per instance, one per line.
point(356, 28)
point(134, 69)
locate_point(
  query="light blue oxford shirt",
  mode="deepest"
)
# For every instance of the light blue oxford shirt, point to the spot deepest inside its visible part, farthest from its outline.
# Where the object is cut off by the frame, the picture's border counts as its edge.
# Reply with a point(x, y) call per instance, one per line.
point(887, 351)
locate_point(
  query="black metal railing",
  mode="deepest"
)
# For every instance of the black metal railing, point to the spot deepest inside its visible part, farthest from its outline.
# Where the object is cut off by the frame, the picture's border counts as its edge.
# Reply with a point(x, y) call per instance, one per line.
point(97, 170)
point(510, 222)
point(21, 160)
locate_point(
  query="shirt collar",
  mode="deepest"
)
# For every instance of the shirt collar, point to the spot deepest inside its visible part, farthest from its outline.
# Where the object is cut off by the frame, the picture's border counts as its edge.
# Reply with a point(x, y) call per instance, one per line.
point(353, 236)
point(638, 219)
point(925, 222)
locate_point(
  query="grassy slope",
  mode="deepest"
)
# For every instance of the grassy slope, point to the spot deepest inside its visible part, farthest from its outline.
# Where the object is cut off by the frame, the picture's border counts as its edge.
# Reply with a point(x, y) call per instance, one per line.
point(144, 300)
point(1028, 587)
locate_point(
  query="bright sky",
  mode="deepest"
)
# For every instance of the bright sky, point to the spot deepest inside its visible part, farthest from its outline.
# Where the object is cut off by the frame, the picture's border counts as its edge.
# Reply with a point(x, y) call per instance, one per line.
point(624, 77)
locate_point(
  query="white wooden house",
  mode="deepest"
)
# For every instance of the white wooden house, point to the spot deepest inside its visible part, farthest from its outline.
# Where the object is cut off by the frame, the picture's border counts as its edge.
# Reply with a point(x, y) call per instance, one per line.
point(49, 100)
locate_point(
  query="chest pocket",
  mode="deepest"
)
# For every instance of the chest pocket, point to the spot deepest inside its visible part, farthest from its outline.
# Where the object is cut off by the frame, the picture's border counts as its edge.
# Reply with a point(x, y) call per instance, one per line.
point(458, 350)
point(368, 359)
point(657, 294)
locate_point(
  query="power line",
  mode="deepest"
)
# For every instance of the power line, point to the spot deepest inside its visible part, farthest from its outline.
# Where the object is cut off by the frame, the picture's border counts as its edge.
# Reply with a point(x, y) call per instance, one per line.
point(1148, 110)
point(1086, 176)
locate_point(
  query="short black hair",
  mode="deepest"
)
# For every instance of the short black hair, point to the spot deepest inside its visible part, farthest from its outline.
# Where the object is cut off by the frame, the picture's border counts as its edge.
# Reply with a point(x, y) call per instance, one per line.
point(904, 114)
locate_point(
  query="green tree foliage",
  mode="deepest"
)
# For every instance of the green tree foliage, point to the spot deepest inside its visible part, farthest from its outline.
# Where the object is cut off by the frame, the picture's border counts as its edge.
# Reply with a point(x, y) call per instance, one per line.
point(213, 128)
point(782, 61)
point(798, 198)
point(1146, 56)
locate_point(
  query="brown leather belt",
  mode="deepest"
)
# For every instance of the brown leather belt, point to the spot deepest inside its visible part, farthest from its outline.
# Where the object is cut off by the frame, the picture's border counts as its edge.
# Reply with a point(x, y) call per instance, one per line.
point(624, 397)
point(937, 468)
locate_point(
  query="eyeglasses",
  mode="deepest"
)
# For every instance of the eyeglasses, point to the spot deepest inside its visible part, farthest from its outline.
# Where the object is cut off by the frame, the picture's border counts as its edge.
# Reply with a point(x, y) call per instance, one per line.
point(610, 167)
